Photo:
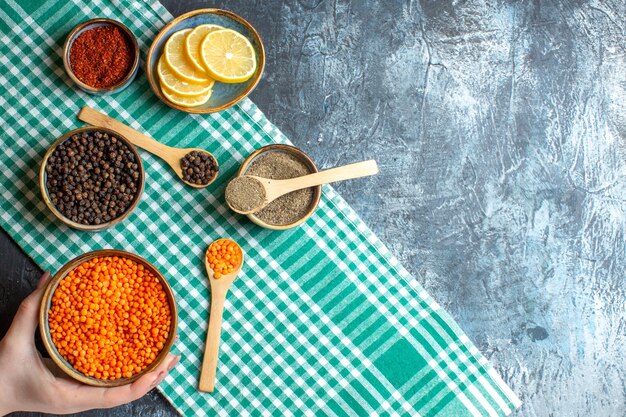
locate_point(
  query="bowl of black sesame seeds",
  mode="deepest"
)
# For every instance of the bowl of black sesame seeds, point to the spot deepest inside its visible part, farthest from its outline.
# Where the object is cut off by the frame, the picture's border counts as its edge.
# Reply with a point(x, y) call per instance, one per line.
point(91, 178)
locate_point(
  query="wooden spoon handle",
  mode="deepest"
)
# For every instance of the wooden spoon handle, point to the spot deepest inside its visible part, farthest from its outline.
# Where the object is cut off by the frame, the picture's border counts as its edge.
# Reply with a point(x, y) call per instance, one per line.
point(94, 117)
point(346, 172)
point(211, 350)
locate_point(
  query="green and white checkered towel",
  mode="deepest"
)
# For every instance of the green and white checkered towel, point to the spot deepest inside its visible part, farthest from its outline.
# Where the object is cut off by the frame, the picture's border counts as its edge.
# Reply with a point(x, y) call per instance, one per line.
point(323, 320)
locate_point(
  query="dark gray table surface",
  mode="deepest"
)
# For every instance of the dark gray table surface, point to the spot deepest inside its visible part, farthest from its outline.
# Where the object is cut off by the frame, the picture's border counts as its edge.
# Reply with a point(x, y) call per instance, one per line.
point(500, 130)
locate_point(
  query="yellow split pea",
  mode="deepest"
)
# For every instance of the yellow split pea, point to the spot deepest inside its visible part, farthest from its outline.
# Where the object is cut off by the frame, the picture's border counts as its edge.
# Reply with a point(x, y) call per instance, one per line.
point(223, 257)
point(109, 318)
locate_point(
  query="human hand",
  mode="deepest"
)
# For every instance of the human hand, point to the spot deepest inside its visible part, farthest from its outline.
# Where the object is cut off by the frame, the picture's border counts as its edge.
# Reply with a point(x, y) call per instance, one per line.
point(28, 385)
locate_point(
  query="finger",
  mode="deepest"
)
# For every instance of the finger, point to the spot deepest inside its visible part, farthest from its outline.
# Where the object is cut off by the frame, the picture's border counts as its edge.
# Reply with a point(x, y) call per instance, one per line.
point(27, 316)
point(112, 397)
point(43, 280)
point(122, 395)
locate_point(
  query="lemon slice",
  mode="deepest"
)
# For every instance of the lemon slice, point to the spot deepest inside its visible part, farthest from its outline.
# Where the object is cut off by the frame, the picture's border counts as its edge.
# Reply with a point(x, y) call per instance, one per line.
point(178, 62)
point(185, 101)
point(175, 85)
point(228, 56)
point(193, 41)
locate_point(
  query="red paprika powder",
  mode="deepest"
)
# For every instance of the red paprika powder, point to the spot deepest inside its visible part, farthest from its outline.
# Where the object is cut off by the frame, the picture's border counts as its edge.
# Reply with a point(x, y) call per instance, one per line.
point(101, 57)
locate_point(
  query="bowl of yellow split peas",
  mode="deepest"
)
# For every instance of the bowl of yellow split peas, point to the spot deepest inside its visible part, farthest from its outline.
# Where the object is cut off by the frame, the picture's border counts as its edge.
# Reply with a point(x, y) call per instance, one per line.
point(108, 317)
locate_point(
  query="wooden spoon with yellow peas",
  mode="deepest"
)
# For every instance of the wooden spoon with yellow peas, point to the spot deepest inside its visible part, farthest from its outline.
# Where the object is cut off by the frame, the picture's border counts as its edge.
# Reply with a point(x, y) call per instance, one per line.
point(194, 59)
point(223, 260)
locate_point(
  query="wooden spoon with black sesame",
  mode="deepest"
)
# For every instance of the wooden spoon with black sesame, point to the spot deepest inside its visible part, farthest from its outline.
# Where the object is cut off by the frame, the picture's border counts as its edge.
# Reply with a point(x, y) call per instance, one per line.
point(195, 167)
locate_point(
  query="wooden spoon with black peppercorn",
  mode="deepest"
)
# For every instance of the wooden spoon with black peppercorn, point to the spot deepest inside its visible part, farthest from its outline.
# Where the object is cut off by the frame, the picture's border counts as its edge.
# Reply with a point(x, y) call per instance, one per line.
point(195, 167)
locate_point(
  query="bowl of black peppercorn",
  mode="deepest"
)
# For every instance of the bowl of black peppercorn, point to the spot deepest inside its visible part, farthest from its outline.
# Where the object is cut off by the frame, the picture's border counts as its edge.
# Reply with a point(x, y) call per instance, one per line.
point(91, 178)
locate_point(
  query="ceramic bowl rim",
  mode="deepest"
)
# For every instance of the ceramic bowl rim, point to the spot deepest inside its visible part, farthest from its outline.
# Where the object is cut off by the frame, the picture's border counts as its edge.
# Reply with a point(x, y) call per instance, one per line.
point(72, 36)
point(44, 326)
point(304, 157)
point(44, 188)
point(150, 57)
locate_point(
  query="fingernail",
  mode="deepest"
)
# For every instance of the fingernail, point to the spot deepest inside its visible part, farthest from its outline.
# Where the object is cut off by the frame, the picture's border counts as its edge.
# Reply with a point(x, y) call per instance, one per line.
point(157, 380)
point(173, 363)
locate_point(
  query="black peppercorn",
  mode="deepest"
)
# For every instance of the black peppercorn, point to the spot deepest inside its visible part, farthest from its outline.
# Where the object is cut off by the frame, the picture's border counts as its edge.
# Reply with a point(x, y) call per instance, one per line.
point(199, 167)
point(87, 181)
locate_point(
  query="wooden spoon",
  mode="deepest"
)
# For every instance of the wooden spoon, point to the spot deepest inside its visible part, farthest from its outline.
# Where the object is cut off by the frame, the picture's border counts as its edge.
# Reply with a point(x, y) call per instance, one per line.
point(169, 154)
point(268, 190)
point(219, 289)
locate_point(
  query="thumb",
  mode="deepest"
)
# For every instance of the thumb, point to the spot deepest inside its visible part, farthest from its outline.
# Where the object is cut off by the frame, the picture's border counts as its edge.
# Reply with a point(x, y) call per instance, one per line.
point(27, 316)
